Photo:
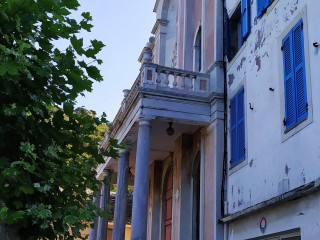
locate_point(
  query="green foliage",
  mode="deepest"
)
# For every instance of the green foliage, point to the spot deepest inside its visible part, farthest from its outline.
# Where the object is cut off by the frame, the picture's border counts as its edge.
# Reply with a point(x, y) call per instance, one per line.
point(48, 149)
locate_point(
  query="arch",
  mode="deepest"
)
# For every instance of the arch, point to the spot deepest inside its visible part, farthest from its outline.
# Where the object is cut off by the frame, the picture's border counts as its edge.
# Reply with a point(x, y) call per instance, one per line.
point(167, 204)
point(197, 46)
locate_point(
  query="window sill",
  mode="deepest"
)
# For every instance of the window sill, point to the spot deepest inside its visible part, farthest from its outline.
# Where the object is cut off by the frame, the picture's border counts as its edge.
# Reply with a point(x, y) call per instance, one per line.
point(287, 133)
point(295, 125)
point(231, 62)
point(238, 166)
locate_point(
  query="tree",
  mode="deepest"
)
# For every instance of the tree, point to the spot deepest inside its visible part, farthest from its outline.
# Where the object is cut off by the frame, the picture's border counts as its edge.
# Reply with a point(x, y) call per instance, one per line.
point(48, 149)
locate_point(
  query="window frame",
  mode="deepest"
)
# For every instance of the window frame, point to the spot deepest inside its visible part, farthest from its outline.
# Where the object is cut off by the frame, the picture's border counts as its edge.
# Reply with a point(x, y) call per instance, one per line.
point(296, 97)
point(240, 18)
point(286, 134)
point(240, 160)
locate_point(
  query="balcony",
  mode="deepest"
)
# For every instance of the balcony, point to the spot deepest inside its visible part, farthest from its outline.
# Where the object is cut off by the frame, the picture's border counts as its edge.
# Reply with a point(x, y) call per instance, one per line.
point(171, 79)
point(166, 89)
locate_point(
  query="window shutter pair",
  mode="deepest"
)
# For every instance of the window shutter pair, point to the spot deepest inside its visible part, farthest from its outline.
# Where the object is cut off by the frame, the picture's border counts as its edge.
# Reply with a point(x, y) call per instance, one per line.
point(237, 126)
point(262, 6)
point(245, 18)
point(296, 106)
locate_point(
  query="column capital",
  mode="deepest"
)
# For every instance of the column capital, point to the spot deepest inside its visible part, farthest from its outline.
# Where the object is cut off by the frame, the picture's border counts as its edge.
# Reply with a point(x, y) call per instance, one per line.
point(145, 120)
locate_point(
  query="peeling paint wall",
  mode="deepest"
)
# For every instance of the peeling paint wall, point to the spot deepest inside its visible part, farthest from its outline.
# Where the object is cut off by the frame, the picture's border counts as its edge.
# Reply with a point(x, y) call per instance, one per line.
point(274, 163)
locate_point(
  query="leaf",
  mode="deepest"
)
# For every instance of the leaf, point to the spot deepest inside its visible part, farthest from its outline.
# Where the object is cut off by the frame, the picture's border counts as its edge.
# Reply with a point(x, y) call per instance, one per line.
point(77, 44)
point(44, 213)
point(27, 189)
point(94, 73)
point(97, 45)
point(8, 67)
point(3, 212)
point(28, 149)
point(87, 16)
point(85, 25)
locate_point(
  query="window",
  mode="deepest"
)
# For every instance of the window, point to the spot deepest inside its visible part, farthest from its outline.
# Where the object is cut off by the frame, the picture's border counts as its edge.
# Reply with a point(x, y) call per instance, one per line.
point(285, 237)
point(262, 6)
point(237, 128)
point(238, 28)
point(295, 90)
point(245, 19)
point(197, 65)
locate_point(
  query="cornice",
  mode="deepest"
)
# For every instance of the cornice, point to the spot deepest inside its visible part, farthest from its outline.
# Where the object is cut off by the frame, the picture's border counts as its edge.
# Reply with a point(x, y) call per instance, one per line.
point(159, 21)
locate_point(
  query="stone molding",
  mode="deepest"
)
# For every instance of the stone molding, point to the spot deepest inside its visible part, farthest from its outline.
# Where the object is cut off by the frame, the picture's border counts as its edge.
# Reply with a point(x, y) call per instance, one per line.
point(159, 22)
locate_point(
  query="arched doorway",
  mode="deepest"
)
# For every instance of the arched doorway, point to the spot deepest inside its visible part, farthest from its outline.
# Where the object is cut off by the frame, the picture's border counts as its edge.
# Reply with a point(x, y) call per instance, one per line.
point(168, 206)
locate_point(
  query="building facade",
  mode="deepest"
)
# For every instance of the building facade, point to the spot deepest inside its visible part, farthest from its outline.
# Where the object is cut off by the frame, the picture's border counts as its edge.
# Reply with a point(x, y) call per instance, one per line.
point(273, 120)
point(221, 124)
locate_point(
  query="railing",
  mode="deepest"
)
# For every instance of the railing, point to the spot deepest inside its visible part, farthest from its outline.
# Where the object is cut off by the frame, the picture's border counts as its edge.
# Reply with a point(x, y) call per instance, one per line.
point(156, 75)
point(163, 78)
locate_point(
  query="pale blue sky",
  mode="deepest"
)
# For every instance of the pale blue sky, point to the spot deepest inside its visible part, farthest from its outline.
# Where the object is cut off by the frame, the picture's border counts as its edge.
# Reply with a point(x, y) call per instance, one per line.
point(124, 26)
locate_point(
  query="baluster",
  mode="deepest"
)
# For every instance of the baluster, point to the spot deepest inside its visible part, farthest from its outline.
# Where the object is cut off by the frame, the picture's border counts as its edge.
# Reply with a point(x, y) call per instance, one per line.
point(166, 81)
point(191, 82)
point(183, 83)
point(158, 81)
point(174, 84)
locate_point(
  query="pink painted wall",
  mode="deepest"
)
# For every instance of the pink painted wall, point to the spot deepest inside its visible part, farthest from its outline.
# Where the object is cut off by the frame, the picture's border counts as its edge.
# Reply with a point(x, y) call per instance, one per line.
point(209, 33)
point(197, 14)
point(209, 189)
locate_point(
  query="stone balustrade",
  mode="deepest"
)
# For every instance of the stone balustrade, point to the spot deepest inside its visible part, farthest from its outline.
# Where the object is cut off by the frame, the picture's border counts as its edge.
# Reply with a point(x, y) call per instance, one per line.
point(156, 77)
point(153, 75)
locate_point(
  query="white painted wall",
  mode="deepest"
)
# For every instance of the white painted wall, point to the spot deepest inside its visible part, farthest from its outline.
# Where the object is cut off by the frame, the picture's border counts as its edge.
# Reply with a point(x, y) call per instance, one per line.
point(301, 214)
point(271, 156)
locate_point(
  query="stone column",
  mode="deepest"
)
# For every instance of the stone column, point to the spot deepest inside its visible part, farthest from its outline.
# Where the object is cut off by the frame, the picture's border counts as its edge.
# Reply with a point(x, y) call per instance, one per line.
point(119, 219)
point(141, 183)
point(93, 231)
point(104, 200)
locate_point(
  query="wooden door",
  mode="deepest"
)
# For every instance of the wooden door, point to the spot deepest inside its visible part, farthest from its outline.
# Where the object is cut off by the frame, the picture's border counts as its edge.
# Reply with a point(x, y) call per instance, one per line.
point(168, 207)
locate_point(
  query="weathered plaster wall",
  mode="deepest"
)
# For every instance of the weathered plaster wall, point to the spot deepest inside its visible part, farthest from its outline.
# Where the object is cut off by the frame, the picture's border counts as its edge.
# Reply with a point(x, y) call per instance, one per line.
point(303, 214)
point(273, 162)
point(209, 193)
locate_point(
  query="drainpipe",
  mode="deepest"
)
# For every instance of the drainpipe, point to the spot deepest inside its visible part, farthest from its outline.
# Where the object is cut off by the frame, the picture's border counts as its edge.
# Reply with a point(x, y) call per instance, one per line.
point(225, 153)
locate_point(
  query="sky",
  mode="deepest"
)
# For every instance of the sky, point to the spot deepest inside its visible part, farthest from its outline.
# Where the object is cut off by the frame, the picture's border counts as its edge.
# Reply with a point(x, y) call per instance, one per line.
point(124, 26)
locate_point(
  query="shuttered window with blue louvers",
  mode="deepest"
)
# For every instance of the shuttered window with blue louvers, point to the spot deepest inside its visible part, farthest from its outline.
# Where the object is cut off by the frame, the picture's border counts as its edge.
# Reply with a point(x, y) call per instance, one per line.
point(296, 105)
point(245, 19)
point(237, 128)
point(262, 6)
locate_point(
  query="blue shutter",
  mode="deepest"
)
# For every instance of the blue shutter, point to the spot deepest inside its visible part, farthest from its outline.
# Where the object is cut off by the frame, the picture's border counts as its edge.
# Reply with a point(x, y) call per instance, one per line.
point(299, 72)
point(241, 126)
point(261, 6)
point(245, 18)
point(233, 127)
point(289, 85)
point(237, 126)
